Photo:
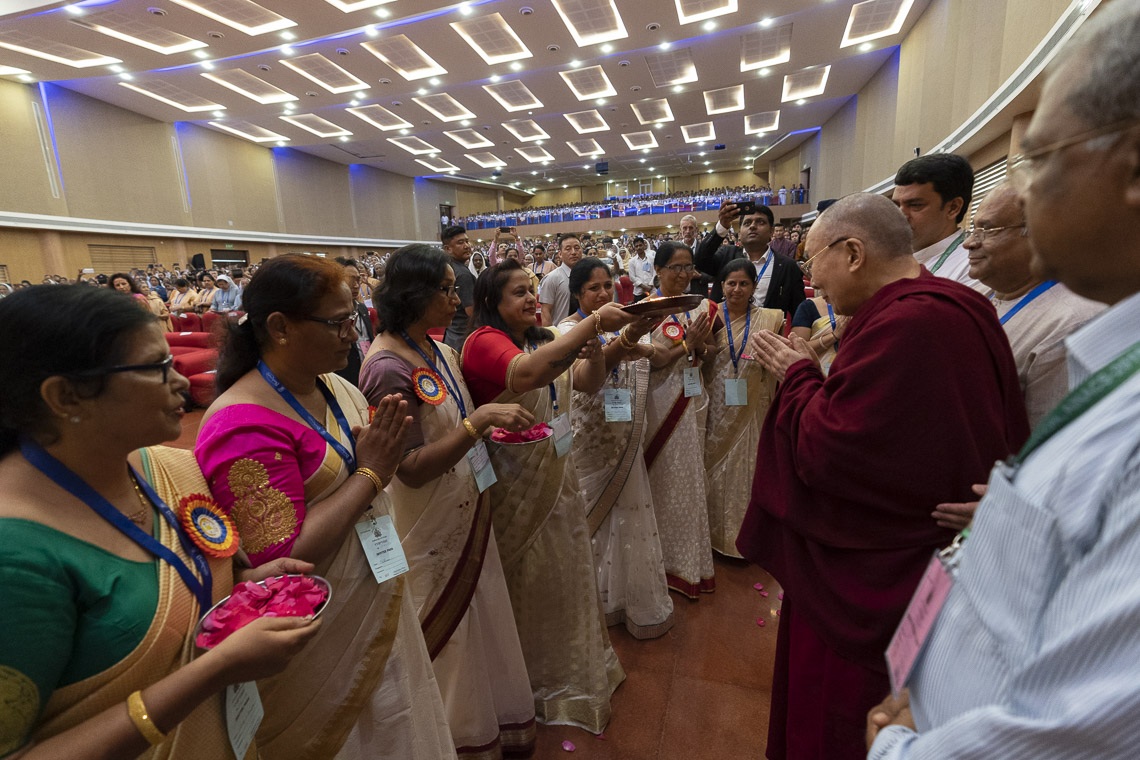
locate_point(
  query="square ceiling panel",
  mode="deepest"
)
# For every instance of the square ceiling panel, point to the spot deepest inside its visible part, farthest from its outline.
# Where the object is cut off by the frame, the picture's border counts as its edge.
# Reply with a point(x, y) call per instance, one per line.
point(724, 100)
point(11, 71)
point(640, 140)
point(588, 83)
point(689, 11)
point(469, 138)
point(50, 50)
point(348, 6)
point(316, 68)
point(243, 15)
point(167, 93)
point(379, 117)
point(671, 68)
point(513, 95)
point(414, 145)
point(492, 38)
point(405, 57)
point(766, 47)
point(129, 29)
point(591, 21)
point(525, 130)
point(585, 148)
point(444, 107)
point(535, 154)
point(805, 84)
point(585, 122)
point(698, 132)
point(316, 125)
point(873, 19)
point(437, 164)
point(486, 160)
point(758, 123)
point(249, 131)
point(652, 111)
point(254, 88)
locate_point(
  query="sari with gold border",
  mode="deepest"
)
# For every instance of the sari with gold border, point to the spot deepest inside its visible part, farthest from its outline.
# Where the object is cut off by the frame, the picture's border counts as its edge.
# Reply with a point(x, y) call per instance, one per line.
point(168, 643)
point(733, 432)
point(540, 524)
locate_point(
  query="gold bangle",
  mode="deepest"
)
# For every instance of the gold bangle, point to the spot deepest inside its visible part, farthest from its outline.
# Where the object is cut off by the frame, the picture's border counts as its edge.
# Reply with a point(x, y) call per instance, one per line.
point(139, 716)
point(377, 481)
point(685, 345)
point(598, 322)
point(471, 431)
point(623, 339)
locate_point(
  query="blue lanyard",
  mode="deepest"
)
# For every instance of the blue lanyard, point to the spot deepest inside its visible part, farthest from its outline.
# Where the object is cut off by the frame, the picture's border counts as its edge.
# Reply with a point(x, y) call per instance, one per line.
point(348, 456)
point(59, 473)
point(688, 318)
point(764, 268)
point(453, 386)
point(1026, 299)
point(553, 392)
point(831, 318)
point(732, 353)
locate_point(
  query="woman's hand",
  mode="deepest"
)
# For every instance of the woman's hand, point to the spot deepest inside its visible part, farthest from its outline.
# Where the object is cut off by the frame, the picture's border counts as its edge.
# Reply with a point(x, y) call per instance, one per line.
point(380, 445)
point(591, 350)
point(510, 417)
point(639, 327)
point(614, 317)
point(699, 330)
point(279, 566)
point(264, 647)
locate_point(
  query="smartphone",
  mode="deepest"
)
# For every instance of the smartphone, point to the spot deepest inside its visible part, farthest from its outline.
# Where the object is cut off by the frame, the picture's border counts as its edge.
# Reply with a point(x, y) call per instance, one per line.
point(504, 229)
point(88, 270)
point(745, 206)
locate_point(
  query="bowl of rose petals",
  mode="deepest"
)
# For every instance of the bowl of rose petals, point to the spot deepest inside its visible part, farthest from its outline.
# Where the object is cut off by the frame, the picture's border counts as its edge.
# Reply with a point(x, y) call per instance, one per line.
point(539, 432)
point(281, 596)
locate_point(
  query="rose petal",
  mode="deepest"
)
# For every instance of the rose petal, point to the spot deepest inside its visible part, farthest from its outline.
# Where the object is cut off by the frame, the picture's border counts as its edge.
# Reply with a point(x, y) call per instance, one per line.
point(780, 596)
point(778, 613)
point(758, 586)
point(760, 622)
point(602, 736)
point(568, 746)
point(764, 593)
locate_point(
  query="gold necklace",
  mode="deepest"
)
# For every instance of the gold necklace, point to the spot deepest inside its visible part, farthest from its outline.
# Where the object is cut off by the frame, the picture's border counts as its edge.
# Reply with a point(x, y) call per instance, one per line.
point(138, 518)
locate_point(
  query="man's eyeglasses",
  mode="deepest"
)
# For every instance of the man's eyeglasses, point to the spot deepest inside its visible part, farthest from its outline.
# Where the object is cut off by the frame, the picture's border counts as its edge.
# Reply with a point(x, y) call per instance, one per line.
point(162, 366)
point(344, 327)
point(1023, 166)
point(981, 233)
point(680, 268)
point(448, 290)
point(807, 265)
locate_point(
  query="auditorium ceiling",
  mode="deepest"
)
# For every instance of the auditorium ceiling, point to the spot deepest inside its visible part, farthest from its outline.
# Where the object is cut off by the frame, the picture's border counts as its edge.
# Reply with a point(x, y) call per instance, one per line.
point(529, 93)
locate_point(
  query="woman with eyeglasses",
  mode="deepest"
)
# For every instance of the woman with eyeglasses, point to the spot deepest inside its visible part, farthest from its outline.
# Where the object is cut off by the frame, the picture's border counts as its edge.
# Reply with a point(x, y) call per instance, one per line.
point(290, 453)
point(538, 513)
point(740, 392)
point(104, 578)
point(443, 517)
point(675, 414)
point(609, 428)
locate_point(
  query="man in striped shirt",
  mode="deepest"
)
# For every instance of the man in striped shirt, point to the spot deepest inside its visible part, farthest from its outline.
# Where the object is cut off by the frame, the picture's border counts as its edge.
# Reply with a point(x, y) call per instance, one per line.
point(1036, 652)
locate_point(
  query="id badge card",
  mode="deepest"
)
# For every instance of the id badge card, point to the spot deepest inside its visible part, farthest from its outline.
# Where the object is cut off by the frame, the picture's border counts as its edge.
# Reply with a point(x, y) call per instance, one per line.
point(736, 391)
point(563, 436)
point(480, 462)
point(913, 631)
point(244, 713)
point(692, 382)
point(382, 547)
point(364, 344)
point(617, 405)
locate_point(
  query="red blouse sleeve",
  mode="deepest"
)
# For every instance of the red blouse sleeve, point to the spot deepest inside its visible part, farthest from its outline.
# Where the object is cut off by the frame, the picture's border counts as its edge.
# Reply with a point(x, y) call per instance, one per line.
point(487, 356)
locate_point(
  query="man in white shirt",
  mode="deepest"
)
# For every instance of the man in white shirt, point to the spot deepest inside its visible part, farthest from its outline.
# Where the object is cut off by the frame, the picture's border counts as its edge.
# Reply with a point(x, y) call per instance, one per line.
point(641, 270)
point(1034, 653)
point(934, 194)
point(554, 290)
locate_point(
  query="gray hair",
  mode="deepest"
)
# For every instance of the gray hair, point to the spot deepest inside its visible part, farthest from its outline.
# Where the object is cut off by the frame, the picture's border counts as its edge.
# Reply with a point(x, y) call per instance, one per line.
point(688, 218)
point(873, 219)
point(1107, 47)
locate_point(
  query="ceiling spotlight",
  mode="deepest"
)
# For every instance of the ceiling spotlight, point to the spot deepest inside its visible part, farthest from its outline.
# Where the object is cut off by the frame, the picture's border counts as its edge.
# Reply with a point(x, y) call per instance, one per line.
point(74, 10)
point(286, 50)
point(607, 48)
point(354, 102)
point(678, 88)
point(565, 186)
point(495, 77)
point(343, 138)
point(665, 45)
point(707, 163)
point(516, 66)
point(421, 91)
point(766, 22)
point(575, 64)
point(280, 143)
point(601, 101)
point(642, 160)
point(708, 26)
point(404, 132)
point(383, 13)
point(550, 179)
point(371, 31)
point(26, 78)
point(465, 9)
point(126, 76)
point(765, 72)
point(434, 81)
point(866, 46)
point(465, 123)
point(219, 114)
point(288, 36)
point(710, 171)
point(117, 69)
point(800, 102)
point(208, 65)
point(201, 54)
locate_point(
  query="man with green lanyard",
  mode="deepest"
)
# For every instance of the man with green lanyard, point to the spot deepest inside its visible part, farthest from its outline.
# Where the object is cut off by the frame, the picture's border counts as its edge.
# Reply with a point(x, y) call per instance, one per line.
point(1033, 651)
point(934, 194)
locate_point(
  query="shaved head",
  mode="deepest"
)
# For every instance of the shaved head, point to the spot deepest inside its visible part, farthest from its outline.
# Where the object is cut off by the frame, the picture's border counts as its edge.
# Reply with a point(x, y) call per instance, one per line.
point(873, 219)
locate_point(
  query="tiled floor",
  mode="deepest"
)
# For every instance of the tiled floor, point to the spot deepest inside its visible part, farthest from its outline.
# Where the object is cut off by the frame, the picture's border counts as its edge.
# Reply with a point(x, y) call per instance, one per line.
point(700, 691)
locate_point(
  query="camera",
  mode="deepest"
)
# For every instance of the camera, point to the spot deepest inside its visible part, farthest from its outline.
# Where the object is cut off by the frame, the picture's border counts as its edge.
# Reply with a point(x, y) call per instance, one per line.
point(745, 206)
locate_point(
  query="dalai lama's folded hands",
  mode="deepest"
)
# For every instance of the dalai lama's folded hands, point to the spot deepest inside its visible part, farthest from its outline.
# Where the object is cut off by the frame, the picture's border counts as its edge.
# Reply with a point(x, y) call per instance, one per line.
point(777, 353)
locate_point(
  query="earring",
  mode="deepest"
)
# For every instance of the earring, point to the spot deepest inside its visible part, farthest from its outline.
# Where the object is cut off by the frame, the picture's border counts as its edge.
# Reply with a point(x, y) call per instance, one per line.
point(76, 419)
point(282, 341)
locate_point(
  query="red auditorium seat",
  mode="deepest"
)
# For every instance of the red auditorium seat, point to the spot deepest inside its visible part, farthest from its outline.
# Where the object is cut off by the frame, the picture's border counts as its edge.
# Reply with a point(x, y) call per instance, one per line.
point(196, 362)
point(203, 387)
point(188, 339)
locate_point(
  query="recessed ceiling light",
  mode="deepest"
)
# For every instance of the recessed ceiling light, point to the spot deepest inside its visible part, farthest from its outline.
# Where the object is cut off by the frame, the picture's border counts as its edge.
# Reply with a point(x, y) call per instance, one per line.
point(765, 72)
point(208, 65)
point(117, 69)
point(219, 114)
point(643, 160)
point(665, 46)
point(288, 36)
point(354, 102)
point(678, 88)
point(465, 123)
point(404, 132)
point(286, 50)
point(201, 54)
point(766, 22)
point(495, 77)
point(707, 163)
point(465, 9)
point(343, 139)
point(708, 26)
point(800, 102)
point(371, 31)
point(26, 78)
point(866, 46)
point(565, 186)
point(421, 91)
point(434, 81)
point(516, 66)
point(601, 101)
point(280, 143)
point(126, 76)
point(383, 13)
point(607, 48)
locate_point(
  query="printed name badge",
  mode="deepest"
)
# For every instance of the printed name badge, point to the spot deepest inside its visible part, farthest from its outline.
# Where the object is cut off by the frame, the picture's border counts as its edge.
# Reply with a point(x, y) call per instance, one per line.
point(736, 391)
point(480, 462)
point(617, 405)
point(915, 627)
point(692, 382)
point(381, 546)
point(563, 437)
point(243, 715)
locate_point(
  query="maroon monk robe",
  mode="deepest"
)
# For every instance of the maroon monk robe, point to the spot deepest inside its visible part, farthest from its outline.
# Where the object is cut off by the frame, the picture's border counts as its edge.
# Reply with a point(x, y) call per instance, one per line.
point(922, 399)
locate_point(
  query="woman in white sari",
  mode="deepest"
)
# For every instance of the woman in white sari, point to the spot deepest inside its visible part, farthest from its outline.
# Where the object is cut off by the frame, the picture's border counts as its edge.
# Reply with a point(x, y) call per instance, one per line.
point(740, 392)
point(610, 461)
point(279, 453)
point(443, 518)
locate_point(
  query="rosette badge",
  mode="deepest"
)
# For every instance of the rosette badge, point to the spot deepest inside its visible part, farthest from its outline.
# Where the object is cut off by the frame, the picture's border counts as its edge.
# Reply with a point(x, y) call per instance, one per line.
point(208, 526)
point(673, 332)
point(428, 386)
